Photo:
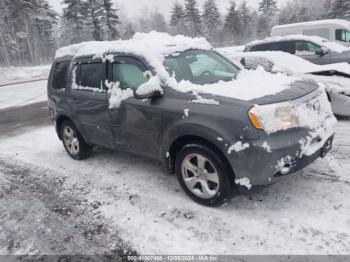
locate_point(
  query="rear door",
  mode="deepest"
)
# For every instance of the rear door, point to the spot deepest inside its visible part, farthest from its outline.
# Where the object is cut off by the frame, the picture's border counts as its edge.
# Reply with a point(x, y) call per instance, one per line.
point(136, 123)
point(89, 95)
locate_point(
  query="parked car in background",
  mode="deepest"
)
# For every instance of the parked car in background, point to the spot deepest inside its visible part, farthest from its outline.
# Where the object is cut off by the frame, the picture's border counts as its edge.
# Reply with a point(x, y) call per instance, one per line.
point(312, 48)
point(336, 30)
point(336, 77)
point(175, 100)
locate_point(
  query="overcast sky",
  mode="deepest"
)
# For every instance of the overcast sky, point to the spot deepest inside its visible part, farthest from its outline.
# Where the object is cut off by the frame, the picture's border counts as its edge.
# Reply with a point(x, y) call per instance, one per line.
point(134, 7)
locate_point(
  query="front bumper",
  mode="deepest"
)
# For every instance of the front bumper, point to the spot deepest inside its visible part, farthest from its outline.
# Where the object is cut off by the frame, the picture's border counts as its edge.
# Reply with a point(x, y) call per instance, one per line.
point(280, 154)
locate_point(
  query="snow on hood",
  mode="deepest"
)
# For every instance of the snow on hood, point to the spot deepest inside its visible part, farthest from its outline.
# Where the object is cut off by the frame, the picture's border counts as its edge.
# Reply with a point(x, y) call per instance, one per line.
point(333, 46)
point(249, 85)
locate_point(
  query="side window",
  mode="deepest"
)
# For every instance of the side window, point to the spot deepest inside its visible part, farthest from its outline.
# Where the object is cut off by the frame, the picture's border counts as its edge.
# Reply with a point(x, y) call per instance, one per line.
point(342, 35)
point(91, 76)
point(129, 75)
point(60, 75)
point(305, 48)
point(264, 47)
point(203, 63)
point(287, 47)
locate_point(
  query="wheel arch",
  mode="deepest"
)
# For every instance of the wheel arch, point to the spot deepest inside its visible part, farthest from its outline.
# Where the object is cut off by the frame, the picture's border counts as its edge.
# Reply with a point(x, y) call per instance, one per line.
point(184, 140)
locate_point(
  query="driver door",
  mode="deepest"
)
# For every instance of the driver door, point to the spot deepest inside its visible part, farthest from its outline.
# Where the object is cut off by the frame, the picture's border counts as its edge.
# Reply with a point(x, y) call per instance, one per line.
point(136, 124)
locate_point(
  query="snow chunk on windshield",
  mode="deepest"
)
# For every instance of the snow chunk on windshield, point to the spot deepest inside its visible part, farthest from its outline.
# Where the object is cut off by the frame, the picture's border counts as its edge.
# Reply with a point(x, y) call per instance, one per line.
point(249, 85)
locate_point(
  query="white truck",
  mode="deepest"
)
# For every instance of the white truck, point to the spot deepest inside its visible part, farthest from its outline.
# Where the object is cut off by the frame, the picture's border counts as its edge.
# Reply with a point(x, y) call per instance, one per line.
point(336, 30)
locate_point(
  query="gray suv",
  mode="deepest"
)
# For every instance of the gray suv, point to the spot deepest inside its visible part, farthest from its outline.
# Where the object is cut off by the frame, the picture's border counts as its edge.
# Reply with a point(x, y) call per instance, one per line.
point(314, 49)
point(212, 147)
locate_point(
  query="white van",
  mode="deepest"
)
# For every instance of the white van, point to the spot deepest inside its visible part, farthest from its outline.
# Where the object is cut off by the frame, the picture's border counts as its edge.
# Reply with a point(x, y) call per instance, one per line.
point(333, 29)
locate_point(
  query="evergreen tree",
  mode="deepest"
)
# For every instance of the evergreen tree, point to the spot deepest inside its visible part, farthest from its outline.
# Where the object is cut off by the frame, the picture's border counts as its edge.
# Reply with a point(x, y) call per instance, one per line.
point(268, 7)
point(112, 20)
point(158, 22)
point(73, 20)
point(211, 17)
point(93, 10)
point(26, 32)
point(340, 9)
point(192, 18)
point(246, 19)
point(177, 14)
point(327, 9)
point(232, 23)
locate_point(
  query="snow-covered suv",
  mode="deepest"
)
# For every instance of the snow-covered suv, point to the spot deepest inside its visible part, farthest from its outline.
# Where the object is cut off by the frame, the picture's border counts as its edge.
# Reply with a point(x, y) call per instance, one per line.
point(174, 99)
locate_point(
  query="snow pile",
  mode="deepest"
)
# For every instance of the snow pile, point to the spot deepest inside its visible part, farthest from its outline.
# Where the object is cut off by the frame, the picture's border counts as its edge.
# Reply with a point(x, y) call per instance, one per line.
point(333, 46)
point(266, 147)
point(243, 182)
point(238, 147)
point(151, 86)
point(22, 74)
point(186, 113)
point(117, 95)
point(249, 85)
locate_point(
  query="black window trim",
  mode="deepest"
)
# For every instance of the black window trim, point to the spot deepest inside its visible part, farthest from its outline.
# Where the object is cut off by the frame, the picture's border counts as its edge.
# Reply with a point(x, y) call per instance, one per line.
point(52, 74)
point(90, 60)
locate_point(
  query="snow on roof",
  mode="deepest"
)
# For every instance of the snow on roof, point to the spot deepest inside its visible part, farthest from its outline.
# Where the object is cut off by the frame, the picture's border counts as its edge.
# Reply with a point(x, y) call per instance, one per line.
point(315, 39)
point(290, 62)
point(154, 47)
point(340, 22)
point(153, 44)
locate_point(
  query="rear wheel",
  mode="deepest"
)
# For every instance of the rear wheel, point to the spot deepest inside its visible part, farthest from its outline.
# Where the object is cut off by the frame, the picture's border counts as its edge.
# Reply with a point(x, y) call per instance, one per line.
point(73, 142)
point(203, 175)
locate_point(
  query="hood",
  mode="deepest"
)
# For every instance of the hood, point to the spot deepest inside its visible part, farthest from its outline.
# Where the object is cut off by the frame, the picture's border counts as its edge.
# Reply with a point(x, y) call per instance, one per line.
point(297, 89)
point(342, 69)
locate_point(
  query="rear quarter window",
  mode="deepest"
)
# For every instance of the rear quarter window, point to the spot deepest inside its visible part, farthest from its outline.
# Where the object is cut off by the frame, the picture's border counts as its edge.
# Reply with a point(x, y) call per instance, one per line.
point(60, 75)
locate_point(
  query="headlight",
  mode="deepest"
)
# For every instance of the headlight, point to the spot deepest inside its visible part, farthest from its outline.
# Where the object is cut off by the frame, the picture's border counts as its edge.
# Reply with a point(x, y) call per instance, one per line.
point(271, 118)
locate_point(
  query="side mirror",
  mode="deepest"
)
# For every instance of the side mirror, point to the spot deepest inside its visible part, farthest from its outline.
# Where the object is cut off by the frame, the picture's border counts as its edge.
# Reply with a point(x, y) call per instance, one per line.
point(321, 52)
point(150, 89)
point(143, 93)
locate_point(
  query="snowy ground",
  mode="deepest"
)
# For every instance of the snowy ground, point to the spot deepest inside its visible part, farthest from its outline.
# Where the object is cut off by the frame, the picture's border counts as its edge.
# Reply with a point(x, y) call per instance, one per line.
point(17, 95)
point(21, 74)
point(306, 213)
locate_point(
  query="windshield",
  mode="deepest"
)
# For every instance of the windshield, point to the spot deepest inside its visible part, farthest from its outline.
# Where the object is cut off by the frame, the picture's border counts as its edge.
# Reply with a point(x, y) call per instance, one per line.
point(200, 67)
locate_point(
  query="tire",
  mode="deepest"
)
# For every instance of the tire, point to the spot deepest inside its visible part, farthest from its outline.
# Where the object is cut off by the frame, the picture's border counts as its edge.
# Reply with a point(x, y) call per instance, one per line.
point(195, 180)
point(73, 142)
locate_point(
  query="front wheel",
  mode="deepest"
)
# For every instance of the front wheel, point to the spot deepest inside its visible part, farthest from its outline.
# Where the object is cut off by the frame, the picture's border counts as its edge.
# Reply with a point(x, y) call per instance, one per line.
point(203, 175)
point(73, 142)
